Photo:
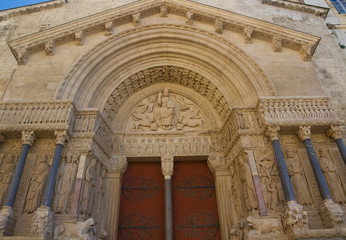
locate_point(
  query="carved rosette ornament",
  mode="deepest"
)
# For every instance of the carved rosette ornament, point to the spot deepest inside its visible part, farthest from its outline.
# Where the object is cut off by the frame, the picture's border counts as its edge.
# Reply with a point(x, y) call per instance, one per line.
point(334, 132)
point(28, 137)
point(118, 163)
point(332, 214)
point(304, 132)
point(43, 223)
point(7, 221)
point(61, 137)
point(167, 163)
point(273, 132)
point(295, 218)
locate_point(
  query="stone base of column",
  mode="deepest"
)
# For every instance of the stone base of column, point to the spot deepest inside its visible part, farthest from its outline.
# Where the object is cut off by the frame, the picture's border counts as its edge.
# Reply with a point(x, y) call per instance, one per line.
point(7, 221)
point(332, 215)
point(43, 223)
point(295, 219)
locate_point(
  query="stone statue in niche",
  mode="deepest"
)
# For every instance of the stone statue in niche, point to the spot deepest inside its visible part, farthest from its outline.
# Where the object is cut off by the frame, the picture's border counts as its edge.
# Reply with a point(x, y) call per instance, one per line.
point(65, 179)
point(88, 189)
point(332, 177)
point(300, 186)
point(247, 185)
point(6, 172)
point(36, 185)
point(166, 111)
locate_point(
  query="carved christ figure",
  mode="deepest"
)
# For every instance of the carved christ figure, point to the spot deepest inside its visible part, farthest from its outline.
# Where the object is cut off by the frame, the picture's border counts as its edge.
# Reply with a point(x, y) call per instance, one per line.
point(332, 177)
point(36, 185)
point(247, 185)
point(6, 172)
point(299, 183)
point(165, 114)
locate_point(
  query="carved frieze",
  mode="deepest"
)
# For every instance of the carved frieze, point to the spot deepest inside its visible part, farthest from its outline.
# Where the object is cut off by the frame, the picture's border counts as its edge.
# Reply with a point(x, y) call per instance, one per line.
point(36, 116)
point(166, 111)
point(297, 111)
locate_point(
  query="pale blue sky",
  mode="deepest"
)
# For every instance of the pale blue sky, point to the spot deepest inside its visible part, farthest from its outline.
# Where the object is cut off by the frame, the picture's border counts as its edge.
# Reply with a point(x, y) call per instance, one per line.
point(7, 4)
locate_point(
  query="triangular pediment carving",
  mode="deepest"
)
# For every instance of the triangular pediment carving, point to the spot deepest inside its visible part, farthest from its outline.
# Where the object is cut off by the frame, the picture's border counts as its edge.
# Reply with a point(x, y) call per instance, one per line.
point(135, 13)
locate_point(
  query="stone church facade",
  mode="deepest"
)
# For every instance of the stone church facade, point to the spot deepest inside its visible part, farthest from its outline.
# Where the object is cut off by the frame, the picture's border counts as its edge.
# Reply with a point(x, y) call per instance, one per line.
point(235, 105)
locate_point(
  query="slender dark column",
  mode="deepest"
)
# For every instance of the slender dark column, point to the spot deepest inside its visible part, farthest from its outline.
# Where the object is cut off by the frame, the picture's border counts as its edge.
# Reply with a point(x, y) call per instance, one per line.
point(167, 171)
point(335, 132)
point(49, 189)
point(27, 138)
point(305, 135)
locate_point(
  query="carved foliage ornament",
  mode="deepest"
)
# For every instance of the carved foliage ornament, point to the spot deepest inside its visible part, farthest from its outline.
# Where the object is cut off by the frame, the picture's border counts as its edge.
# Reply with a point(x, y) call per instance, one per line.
point(304, 132)
point(273, 132)
point(28, 137)
point(334, 132)
point(166, 111)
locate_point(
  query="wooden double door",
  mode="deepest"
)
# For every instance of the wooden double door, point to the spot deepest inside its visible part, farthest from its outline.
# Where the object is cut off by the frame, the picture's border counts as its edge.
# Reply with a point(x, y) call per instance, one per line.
point(142, 208)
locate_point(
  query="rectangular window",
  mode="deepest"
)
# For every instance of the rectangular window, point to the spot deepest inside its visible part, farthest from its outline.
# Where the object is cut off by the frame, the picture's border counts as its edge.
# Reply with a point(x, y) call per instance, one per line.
point(340, 5)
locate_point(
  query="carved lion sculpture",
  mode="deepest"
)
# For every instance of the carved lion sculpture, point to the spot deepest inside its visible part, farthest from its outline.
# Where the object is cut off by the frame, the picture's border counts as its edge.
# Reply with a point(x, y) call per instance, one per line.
point(265, 225)
point(81, 230)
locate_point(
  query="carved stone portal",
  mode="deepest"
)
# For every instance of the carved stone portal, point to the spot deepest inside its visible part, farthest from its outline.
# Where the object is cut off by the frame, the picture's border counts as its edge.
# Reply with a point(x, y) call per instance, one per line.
point(166, 111)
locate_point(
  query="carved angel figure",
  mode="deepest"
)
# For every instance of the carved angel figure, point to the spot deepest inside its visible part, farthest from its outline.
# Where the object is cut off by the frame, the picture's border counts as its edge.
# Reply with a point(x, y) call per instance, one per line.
point(36, 185)
point(6, 172)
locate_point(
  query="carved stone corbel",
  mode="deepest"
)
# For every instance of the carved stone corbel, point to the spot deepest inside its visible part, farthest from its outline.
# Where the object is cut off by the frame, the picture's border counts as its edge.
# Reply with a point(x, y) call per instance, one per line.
point(43, 223)
point(334, 132)
point(167, 163)
point(22, 55)
point(136, 19)
point(277, 44)
point(248, 34)
point(7, 221)
point(109, 28)
point(28, 137)
point(189, 16)
point(305, 52)
point(218, 26)
point(79, 36)
point(163, 11)
point(332, 214)
point(304, 132)
point(61, 137)
point(49, 48)
point(118, 164)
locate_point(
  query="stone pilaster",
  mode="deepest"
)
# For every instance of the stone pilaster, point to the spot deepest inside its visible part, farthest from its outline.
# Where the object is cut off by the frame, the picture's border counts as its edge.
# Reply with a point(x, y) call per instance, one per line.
point(335, 133)
point(223, 180)
point(113, 185)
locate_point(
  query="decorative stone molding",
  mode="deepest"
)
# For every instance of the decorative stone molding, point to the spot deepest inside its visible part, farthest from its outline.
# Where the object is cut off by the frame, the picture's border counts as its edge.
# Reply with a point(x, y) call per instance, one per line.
point(79, 36)
point(318, 11)
point(291, 38)
point(273, 132)
point(28, 137)
point(49, 48)
point(7, 14)
point(118, 164)
point(297, 111)
point(43, 223)
point(161, 146)
point(218, 26)
point(7, 221)
point(189, 16)
point(167, 163)
point(136, 19)
point(248, 34)
point(304, 132)
point(109, 28)
point(35, 116)
point(277, 44)
point(295, 218)
point(334, 132)
point(163, 11)
point(168, 74)
point(332, 214)
point(61, 137)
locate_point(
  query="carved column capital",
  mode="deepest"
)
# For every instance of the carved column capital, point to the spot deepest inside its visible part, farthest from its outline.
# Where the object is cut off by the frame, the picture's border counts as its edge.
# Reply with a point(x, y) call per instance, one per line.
point(167, 163)
point(119, 164)
point(217, 162)
point(61, 137)
point(28, 137)
point(334, 132)
point(304, 132)
point(273, 132)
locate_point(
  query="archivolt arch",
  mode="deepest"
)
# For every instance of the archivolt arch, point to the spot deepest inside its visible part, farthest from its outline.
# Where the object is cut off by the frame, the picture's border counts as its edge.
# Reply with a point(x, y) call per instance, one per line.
point(96, 75)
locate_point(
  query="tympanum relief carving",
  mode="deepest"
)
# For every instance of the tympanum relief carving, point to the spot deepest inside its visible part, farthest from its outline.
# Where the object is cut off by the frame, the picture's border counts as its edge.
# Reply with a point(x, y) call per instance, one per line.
point(166, 111)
